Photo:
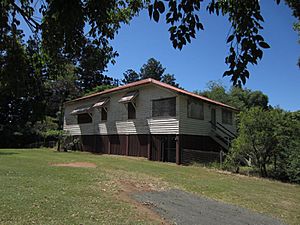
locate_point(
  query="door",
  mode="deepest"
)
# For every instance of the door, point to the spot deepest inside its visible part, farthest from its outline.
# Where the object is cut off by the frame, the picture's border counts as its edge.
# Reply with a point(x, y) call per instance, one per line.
point(213, 118)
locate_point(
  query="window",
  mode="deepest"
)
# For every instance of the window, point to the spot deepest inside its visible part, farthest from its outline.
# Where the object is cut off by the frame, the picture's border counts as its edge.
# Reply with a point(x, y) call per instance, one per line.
point(84, 118)
point(195, 109)
point(103, 114)
point(164, 107)
point(131, 110)
point(226, 116)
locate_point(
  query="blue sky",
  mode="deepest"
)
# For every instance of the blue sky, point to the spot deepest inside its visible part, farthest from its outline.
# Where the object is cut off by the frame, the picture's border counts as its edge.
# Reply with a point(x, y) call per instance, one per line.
point(276, 75)
point(203, 60)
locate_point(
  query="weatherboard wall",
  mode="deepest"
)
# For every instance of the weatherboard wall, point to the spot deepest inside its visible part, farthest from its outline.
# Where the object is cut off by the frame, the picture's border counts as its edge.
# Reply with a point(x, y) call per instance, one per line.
point(117, 122)
point(203, 127)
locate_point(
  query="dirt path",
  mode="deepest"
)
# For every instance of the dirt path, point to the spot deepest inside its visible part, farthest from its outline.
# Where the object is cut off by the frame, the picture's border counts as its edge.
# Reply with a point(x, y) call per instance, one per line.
point(128, 188)
point(184, 208)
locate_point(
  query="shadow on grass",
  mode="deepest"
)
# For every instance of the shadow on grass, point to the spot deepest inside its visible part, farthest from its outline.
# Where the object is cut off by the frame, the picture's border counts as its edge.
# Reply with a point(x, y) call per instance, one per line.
point(8, 153)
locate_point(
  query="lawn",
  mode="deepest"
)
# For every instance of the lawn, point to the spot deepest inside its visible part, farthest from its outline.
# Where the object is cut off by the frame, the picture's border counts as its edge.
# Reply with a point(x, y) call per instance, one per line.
point(35, 192)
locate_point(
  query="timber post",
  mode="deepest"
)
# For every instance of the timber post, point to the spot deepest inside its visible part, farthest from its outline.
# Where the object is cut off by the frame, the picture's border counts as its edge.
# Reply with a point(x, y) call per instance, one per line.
point(149, 147)
point(178, 149)
point(127, 143)
point(108, 145)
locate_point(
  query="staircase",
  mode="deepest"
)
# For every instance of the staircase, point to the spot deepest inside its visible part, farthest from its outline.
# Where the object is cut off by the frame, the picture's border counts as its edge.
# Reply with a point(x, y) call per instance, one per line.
point(221, 135)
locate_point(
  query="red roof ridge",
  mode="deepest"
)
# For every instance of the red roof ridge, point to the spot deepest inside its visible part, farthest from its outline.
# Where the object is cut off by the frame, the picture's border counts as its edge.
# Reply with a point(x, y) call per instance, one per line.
point(159, 83)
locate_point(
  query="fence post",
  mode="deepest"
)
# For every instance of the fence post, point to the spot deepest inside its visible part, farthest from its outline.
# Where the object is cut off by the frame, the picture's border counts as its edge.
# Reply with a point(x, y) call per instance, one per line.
point(221, 158)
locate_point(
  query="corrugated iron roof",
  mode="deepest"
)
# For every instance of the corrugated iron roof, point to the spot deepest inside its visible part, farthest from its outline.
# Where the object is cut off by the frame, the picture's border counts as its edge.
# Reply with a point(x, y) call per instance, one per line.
point(158, 83)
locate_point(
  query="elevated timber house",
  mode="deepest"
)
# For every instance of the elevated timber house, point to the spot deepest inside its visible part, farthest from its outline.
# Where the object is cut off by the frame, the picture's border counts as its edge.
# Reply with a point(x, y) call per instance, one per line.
point(151, 119)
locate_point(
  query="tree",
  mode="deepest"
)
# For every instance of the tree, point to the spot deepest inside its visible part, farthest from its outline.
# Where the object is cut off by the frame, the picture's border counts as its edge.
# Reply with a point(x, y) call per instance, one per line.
point(99, 89)
point(130, 76)
point(216, 91)
point(91, 65)
point(21, 96)
point(287, 160)
point(152, 69)
point(66, 26)
point(169, 79)
point(257, 138)
point(59, 90)
point(244, 38)
point(241, 98)
point(269, 141)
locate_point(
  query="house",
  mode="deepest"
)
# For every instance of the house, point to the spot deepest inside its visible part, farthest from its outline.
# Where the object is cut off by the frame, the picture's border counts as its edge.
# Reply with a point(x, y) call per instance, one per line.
point(151, 119)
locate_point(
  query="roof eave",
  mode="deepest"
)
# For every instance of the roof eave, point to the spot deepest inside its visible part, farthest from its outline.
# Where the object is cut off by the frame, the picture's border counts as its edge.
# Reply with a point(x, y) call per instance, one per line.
point(153, 81)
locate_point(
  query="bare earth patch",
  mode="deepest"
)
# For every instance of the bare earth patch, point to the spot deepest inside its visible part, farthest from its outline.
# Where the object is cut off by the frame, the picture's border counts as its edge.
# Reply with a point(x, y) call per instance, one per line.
point(76, 164)
point(128, 187)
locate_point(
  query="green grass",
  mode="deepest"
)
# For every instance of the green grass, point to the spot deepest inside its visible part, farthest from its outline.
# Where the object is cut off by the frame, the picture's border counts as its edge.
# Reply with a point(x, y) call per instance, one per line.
point(32, 191)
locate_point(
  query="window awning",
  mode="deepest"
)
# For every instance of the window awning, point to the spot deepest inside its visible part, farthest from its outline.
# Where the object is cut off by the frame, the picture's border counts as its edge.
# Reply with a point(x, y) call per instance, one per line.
point(129, 97)
point(81, 109)
point(101, 103)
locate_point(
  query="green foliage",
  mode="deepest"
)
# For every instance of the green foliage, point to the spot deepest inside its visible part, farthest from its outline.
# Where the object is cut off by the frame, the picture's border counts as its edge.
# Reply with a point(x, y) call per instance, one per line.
point(130, 76)
point(245, 42)
point(47, 128)
point(216, 91)
point(21, 84)
point(287, 159)
point(169, 79)
point(99, 89)
point(91, 65)
point(67, 27)
point(238, 97)
point(257, 137)
point(152, 69)
point(269, 141)
point(246, 45)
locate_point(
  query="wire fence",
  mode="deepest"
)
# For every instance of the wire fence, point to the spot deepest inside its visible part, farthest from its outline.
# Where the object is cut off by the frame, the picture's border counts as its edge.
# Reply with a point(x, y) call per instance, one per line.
point(204, 157)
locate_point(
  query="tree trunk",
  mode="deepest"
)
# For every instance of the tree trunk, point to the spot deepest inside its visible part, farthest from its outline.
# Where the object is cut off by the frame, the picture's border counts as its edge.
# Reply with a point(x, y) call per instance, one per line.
point(265, 170)
point(275, 163)
point(60, 125)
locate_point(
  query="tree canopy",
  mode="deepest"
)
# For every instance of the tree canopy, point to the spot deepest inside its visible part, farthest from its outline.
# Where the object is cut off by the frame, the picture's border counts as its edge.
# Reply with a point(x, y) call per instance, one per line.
point(246, 44)
point(152, 69)
point(67, 27)
point(241, 98)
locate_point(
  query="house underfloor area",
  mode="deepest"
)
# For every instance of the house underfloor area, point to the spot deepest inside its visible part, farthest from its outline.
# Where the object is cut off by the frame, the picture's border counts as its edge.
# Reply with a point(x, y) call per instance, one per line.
point(179, 148)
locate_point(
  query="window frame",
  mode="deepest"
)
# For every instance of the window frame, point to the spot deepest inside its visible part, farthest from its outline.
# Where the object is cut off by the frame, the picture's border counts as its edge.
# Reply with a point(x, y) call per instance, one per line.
point(130, 105)
point(102, 112)
point(164, 99)
point(226, 119)
point(189, 101)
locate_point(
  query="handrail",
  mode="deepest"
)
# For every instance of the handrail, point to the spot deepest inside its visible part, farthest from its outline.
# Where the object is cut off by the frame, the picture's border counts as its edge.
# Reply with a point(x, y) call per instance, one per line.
point(234, 135)
point(221, 129)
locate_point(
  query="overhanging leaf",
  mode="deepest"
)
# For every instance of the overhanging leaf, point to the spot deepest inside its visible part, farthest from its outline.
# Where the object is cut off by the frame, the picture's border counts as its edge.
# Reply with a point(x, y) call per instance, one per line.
point(263, 44)
point(160, 6)
point(150, 11)
point(230, 38)
point(156, 16)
